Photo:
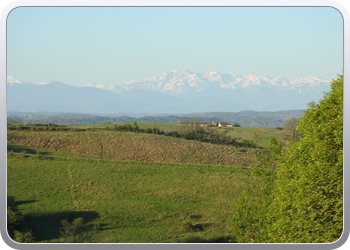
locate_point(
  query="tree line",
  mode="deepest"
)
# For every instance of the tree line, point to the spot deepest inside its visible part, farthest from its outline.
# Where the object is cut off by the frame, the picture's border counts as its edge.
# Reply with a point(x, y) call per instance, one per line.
point(244, 118)
point(42, 127)
point(188, 131)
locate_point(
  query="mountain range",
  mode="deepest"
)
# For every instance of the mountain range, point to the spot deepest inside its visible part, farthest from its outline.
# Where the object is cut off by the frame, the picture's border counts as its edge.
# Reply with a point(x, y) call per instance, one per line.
point(173, 92)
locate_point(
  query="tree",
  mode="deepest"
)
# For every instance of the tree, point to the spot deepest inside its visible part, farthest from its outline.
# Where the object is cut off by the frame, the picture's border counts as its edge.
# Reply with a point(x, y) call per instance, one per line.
point(135, 126)
point(308, 194)
point(71, 232)
point(256, 137)
point(290, 131)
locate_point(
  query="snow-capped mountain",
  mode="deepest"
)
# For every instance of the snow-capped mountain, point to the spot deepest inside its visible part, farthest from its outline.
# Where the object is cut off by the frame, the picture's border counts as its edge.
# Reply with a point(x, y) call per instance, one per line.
point(112, 88)
point(175, 82)
point(174, 91)
point(11, 81)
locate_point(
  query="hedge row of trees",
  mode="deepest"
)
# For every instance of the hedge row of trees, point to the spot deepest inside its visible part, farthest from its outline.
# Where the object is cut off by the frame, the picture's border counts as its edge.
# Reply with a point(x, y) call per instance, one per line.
point(42, 127)
point(190, 131)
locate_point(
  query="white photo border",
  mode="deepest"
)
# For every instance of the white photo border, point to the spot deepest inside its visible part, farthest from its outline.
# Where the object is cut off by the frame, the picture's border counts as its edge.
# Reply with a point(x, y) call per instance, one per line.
point(171, 3)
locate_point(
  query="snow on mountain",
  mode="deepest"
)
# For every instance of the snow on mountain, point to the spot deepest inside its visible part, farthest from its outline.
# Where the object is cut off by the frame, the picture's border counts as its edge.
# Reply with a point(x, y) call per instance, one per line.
point(177, 91)
point(183, 81)
point(11, 79)
point(99, 86)
point(112, 88)
point(173, 81)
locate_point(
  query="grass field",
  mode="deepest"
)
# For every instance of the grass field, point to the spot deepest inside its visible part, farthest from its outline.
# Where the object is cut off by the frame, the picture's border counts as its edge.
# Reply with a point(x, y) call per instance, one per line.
point(131, 187)
point(131, 201)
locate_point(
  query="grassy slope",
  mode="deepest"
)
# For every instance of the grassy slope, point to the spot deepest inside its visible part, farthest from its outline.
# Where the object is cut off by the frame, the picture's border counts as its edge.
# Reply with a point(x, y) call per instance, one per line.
point(133, 201)
point(137, 147)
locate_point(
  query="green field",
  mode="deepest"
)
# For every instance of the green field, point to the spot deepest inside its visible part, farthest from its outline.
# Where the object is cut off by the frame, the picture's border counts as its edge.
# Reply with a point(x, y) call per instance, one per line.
point(131, 201)
point(130, 187)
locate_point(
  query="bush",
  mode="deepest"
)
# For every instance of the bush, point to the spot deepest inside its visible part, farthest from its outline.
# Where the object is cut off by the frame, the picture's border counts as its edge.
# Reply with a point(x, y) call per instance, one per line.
point(24, 237)
point(74, 231)
point(15, 223)
point(188, 228)
point(23, 153)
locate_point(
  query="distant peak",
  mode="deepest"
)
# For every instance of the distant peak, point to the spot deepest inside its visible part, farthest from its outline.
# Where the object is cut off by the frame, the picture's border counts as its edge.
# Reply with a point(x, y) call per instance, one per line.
point(99, 86)
point(90, 84)
point(11, 79)
point(43, 83)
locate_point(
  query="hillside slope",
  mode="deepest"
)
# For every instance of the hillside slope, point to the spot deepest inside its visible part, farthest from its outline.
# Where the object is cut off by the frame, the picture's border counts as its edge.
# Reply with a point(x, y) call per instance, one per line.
point(137, 147)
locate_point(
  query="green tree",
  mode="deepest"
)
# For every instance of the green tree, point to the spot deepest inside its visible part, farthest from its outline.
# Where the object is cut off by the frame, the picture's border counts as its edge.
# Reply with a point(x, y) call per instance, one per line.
point(135, 126)
point(72, 232)
point(256, 136)
point(308, 193)
point(290, 132)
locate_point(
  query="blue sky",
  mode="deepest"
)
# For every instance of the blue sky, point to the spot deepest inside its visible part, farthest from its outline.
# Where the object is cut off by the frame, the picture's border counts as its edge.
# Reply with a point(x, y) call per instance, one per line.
point(108, 46)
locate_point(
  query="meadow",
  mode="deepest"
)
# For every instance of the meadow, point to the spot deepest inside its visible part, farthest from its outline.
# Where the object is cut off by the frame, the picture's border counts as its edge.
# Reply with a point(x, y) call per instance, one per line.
point(128, 187)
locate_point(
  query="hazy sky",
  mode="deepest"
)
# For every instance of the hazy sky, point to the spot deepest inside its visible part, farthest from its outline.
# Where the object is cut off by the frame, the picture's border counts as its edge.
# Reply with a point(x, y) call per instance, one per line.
point(77, 45)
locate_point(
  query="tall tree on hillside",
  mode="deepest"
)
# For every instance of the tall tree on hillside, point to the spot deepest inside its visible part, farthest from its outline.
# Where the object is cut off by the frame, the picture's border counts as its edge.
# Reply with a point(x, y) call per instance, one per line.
point(256, 136)
point(290, 129)
point(308, 194)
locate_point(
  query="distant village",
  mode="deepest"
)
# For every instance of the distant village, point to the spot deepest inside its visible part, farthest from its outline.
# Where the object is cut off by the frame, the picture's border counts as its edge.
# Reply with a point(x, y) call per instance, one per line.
point(209, 124)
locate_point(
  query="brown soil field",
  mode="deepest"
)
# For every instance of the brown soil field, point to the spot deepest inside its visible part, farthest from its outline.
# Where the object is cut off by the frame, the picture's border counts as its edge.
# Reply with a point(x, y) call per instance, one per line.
point(137, 147)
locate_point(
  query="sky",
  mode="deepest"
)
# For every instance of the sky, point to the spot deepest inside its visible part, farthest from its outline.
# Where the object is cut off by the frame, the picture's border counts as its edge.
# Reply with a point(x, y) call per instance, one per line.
point(105, 45)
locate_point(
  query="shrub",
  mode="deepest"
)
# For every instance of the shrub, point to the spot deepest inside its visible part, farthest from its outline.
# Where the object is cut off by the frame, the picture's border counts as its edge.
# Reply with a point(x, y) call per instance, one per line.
point(73, 232)
point(187, 227)
point(23, 153)
point(23, 237)
point(15, 223)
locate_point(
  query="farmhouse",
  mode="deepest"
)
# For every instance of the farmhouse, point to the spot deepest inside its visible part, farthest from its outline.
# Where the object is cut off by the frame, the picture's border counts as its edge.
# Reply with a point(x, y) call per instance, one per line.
point(207, 124)
point(224, 124)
